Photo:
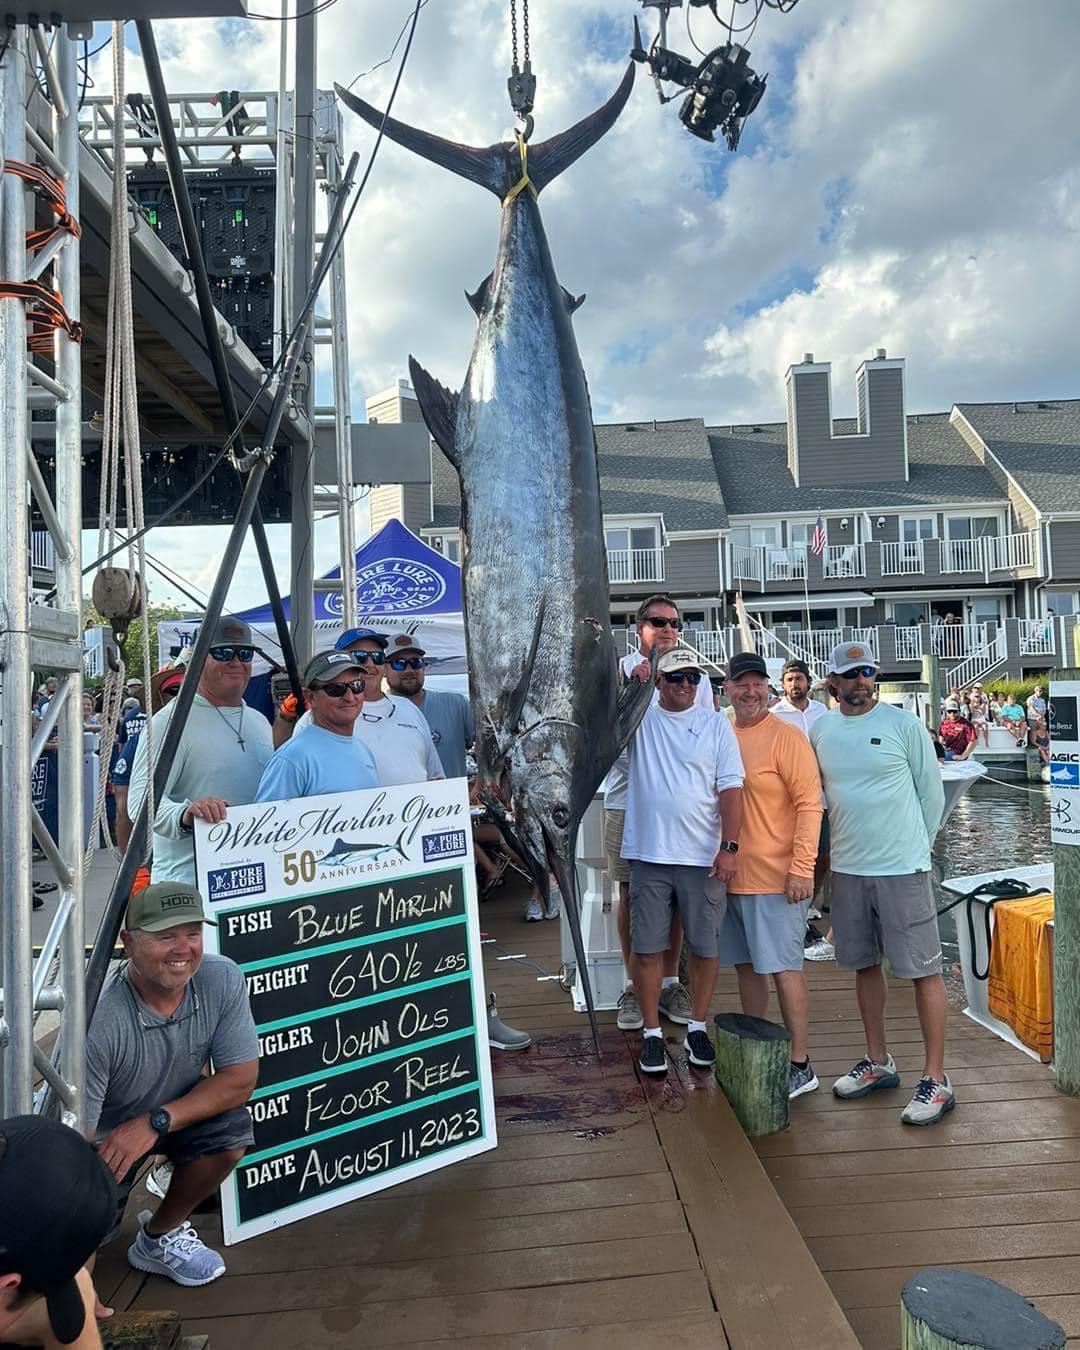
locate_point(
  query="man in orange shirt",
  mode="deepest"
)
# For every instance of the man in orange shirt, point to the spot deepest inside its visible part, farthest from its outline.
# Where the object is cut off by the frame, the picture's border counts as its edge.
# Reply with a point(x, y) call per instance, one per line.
point(768, 898)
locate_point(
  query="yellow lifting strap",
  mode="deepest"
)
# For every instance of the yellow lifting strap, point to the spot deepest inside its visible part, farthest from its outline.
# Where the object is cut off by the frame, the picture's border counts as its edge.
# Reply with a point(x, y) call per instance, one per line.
point(524, 181)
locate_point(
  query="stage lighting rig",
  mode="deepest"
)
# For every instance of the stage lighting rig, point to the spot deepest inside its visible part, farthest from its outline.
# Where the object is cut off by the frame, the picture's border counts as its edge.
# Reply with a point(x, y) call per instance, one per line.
point(721, 88)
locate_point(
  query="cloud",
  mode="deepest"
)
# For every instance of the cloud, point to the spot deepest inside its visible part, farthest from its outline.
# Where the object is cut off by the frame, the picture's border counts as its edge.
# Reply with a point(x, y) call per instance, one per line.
point(911, 180)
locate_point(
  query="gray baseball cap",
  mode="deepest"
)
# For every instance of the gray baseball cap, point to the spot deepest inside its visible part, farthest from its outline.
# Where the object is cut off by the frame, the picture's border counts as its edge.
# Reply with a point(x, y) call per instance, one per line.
point(330, 666)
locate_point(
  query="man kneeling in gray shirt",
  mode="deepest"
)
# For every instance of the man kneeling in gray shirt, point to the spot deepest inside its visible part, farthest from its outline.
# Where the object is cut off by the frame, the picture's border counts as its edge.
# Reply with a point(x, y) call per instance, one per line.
point(164, 1015)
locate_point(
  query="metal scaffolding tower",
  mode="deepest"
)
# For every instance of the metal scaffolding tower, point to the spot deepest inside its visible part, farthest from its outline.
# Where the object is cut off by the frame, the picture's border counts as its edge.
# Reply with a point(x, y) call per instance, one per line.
point(40, 134)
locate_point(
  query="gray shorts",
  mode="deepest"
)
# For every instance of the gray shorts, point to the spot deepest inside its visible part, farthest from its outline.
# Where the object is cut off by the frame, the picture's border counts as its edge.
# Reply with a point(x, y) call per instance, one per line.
point(618, 869)
point(656, 891)
point(763, 931)
point(891, 915)
point(220, 1134)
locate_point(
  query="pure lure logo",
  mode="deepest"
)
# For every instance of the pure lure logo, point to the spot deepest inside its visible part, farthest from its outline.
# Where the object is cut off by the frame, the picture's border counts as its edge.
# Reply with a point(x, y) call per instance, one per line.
point(393, 586)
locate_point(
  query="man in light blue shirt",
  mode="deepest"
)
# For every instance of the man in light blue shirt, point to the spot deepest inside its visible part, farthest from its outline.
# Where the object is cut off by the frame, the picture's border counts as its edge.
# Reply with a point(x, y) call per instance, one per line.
point(328, 757)
point(883, 785)
point(449, 715)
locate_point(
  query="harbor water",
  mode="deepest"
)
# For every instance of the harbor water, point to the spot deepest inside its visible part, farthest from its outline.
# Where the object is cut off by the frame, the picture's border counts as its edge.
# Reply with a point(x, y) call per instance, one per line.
point(995, 824)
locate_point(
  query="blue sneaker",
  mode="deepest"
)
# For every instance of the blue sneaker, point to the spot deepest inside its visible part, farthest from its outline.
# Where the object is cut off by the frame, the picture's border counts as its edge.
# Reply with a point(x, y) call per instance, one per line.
point(179, 1255)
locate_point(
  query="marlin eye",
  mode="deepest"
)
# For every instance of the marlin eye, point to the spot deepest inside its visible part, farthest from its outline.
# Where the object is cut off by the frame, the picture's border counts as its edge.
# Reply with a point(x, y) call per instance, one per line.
point(561, 817)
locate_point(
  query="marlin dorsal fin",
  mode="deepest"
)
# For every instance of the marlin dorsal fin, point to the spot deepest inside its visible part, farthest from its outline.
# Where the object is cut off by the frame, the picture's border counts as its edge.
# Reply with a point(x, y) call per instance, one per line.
point(478, 298)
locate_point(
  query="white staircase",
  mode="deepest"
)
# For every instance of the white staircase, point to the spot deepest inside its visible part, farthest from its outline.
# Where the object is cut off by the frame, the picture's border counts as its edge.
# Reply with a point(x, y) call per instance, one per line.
point(981, 663)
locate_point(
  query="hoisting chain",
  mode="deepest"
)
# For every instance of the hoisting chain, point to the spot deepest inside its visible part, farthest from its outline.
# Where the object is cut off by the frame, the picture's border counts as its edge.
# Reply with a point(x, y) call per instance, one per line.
point(522, 82)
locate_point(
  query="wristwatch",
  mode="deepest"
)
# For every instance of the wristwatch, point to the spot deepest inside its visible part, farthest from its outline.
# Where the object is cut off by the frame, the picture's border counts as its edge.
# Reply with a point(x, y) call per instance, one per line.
point(160, 1120)
point(729, 846)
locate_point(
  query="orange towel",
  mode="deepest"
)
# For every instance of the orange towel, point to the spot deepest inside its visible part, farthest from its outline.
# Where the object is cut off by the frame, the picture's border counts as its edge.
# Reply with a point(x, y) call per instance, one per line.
point(1020, 988)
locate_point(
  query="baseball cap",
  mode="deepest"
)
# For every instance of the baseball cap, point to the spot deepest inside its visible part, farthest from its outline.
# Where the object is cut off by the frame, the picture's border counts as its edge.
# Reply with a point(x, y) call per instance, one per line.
point(232, 631)
point(133, 683)
point(405, 642)
point(848, 655)
point(171, 679)
point(796, 663)
point(59, 1206)
point(329, 665)
point(746, 663)
point(679, 658)
point(352, 635)
point(165, 905)
point(952, 706)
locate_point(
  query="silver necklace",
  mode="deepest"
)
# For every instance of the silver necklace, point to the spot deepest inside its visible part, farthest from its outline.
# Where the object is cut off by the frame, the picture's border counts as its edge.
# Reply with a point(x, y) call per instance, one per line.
point(236, 731)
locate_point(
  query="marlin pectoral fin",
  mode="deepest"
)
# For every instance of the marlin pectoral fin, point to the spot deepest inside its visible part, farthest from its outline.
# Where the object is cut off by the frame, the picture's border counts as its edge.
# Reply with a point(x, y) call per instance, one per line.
point(478, 298)
point(634, 699)
point(521, 689)
point(548, 159)
point(573, 302)
point(439, 407)
point(486, 166)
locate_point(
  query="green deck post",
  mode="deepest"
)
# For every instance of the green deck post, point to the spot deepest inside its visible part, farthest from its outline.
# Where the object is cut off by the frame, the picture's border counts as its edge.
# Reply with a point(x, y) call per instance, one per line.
point(1066, 942)
point(931, 677)
point(753, 1066)
point(944, 1309)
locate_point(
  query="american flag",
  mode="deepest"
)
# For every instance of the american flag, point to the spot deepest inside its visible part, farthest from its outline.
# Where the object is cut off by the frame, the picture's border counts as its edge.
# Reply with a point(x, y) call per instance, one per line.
point(817, 539)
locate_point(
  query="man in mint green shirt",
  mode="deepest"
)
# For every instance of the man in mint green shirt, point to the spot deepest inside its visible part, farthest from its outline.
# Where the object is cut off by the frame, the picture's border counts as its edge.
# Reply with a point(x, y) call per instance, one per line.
point(880, 773)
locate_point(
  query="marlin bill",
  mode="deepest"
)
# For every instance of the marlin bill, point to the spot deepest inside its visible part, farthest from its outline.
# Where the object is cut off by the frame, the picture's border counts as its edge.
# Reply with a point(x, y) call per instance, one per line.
point(550, 718)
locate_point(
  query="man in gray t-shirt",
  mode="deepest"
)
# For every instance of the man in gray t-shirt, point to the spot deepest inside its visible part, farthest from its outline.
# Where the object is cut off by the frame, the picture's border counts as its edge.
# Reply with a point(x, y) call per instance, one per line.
point(449, 715)
point(162, 1018)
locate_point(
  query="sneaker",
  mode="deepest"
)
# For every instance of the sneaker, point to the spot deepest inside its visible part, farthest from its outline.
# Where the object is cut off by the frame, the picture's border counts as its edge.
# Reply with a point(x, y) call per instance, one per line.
point(158, 1178)
point(179, 1255)
point(629, 1018)
point(821, 950)
point(534, 912)
point(699, 1049)
point(553, 904)
point(813, 912)
point(931, 1101)
point(866, 1077)
point(675, 1004)
point(501, 1036)
point(801, 1080)
point(653, 1057)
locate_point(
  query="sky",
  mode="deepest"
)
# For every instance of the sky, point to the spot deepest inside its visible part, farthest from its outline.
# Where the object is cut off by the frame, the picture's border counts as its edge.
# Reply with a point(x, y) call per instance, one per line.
point(911, 181)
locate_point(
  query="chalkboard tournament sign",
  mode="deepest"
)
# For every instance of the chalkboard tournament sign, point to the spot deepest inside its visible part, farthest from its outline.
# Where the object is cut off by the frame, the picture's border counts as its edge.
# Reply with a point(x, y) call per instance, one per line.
point(354, 920)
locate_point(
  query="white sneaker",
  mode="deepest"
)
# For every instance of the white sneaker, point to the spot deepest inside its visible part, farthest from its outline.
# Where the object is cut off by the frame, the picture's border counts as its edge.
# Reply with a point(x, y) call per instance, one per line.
point(553, 908)
point(534, 912)
point(179, 1255)
point(813, 912)
point(821, 950)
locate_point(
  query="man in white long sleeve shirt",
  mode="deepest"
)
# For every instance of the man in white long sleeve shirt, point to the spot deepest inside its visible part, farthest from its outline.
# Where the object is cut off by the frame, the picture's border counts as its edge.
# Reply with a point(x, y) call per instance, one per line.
point(658, 627)
point(683, 816)
point(220, 759)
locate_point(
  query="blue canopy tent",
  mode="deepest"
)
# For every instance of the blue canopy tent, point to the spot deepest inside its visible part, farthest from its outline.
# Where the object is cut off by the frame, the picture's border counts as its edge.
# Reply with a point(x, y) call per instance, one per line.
point(402, 586)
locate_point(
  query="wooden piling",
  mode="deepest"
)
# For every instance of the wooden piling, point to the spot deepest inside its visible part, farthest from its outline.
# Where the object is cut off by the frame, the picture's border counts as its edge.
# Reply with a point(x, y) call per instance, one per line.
point(753, 1066)
point(931, 677)
point(944, 1309)
point(1065, 817)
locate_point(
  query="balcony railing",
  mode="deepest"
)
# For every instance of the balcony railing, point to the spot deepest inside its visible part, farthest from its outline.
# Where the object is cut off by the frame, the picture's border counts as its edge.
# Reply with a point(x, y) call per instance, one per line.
point(993, 553)
point(955, 641)
point(903, 558)
point(42, 551)
point(783, 564)
point(845, 560)
point(747, 564)
point(1037, 637)
point(816, 644)
point(635, 564)
point(908, 643)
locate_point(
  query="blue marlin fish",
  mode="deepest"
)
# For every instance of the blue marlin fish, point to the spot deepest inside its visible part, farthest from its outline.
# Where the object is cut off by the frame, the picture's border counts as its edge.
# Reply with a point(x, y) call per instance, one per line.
point(550, 717)
point(343, 852)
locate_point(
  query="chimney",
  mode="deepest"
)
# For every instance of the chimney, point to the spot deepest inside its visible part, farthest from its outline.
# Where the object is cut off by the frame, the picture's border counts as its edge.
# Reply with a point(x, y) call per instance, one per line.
point(875, 452)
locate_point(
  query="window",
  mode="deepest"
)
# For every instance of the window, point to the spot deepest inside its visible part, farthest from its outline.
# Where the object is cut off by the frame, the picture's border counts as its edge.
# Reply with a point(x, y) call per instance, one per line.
point(633, 552)
point(972, 527)
point(800, 532)
point(756, 536)
point(918, 527)
point(449, 545)
point(986, 609)
point(634, 537)
point(908, 612)
point(788, 618)
point(1061, 602)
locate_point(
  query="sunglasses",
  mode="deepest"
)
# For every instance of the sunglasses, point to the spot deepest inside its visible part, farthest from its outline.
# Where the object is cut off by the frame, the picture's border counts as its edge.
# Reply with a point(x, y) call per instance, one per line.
point(232, 653)
point(408, 663)
point(339, 688)
point(662, 623)
point(362, 658)
point(867, 672)
point(677, 676)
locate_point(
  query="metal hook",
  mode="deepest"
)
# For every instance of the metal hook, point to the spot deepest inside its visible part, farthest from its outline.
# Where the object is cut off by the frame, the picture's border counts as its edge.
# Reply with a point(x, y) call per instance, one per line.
point(527, 119)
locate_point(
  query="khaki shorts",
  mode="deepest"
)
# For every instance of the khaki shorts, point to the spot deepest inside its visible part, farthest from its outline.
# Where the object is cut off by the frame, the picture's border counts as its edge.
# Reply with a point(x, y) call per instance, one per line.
point(618, 869)
point(891, 915)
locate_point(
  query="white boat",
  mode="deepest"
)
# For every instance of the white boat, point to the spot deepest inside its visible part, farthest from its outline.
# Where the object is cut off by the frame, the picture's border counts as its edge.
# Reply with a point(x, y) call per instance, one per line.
point(977, 1007)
